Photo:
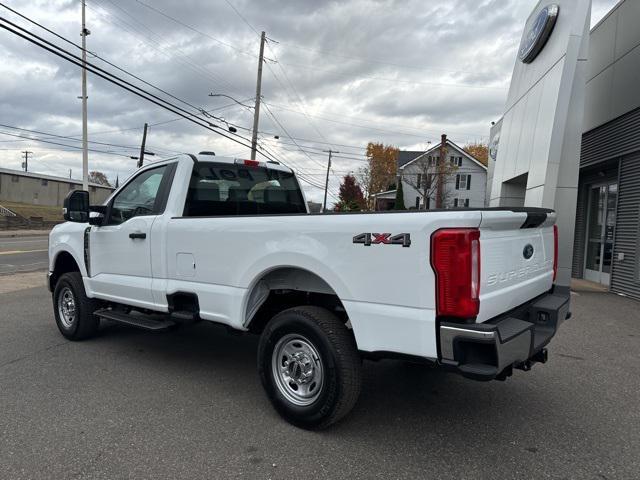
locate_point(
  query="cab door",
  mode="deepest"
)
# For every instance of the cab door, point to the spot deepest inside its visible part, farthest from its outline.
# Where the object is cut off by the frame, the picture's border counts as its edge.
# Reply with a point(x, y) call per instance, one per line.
point(120, 249)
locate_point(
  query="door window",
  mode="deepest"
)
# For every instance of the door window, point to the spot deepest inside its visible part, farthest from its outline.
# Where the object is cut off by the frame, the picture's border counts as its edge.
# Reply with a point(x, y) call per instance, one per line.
point(138, 197)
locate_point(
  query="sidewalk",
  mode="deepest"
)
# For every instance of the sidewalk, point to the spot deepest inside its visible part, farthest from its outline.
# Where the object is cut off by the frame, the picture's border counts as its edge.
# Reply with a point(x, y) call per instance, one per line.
point(23, 233)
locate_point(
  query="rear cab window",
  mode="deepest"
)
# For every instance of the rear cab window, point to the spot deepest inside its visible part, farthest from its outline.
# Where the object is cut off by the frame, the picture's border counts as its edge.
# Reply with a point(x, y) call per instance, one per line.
point(217, 189)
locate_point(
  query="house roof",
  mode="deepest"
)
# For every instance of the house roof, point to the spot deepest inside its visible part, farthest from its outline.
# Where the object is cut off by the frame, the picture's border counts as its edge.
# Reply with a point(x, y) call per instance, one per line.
point(20, 173)
point(413, 156)
point(405, 156)
point(387, 194)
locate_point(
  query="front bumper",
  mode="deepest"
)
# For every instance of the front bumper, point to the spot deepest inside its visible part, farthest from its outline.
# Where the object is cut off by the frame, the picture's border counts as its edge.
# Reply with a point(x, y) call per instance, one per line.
point(490, 350)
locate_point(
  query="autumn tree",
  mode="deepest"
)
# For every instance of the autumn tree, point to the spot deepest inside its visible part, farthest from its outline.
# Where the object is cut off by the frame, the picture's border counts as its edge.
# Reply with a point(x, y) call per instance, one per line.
point(99, 178)
point(380, 172)
point(425, 173)
point(351, 196)
point(478, 150)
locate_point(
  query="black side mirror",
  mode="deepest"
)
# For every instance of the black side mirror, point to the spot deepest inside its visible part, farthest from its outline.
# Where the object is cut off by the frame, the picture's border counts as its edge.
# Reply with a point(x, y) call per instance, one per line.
point(76, 206)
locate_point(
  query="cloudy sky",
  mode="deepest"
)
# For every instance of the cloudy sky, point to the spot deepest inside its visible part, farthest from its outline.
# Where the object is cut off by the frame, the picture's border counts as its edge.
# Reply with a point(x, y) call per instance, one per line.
point(338, 75)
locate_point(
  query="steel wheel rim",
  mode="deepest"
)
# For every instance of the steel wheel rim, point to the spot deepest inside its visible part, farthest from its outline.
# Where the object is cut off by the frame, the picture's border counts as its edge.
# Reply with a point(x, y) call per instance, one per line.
point(297, 369)
point(66, 307)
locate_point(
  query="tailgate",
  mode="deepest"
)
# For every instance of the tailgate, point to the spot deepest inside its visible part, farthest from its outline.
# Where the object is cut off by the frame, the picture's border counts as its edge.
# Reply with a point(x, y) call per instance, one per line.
point(516, 258)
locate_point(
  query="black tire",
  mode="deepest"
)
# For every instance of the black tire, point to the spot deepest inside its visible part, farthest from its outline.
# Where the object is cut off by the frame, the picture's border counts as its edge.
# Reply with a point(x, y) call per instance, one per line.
point(341, 376)
point(84, 323)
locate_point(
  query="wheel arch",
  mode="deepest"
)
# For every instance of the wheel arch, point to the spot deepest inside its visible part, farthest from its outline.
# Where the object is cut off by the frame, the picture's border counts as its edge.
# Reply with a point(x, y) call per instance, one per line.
point(280, 287)
point(63, 262)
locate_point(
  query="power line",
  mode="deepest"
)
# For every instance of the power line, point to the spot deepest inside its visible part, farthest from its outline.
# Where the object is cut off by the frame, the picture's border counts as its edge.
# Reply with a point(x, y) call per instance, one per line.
point(68, 137)
point(274, 74)
point(287, 133)
point(173, 19)
point(342, 115)
point(155, 43)
point(66, 55)
point(63, 144)
point(396, 80)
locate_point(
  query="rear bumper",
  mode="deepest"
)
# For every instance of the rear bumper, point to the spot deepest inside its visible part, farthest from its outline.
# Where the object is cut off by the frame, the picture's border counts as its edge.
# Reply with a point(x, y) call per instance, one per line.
point(485, 351)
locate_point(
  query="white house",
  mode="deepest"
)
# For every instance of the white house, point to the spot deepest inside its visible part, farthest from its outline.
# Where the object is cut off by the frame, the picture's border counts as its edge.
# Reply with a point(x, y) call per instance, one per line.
point(465, 186)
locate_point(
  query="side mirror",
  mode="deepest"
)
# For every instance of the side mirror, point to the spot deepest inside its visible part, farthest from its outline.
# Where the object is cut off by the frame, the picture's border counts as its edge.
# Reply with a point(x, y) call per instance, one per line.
point(76, 206)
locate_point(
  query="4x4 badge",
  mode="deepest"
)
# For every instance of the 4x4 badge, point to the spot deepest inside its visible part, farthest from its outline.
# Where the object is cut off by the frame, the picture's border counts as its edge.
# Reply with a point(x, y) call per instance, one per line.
point(368, 239)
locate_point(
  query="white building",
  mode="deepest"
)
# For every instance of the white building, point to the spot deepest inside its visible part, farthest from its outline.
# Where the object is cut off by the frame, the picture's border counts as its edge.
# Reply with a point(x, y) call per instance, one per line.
point(465, 185)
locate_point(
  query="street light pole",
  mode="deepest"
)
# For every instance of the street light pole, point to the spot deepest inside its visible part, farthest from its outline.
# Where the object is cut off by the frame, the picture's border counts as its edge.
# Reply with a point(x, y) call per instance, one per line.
point(85, 142)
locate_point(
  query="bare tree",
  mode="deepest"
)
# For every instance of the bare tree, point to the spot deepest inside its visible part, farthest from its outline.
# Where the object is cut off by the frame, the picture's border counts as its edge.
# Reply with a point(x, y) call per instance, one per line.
point(364, 180)
point(424, 175)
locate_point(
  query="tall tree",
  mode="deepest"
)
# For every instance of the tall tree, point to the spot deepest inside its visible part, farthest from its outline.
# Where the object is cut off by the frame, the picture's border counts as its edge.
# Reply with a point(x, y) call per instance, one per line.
point(99, 178)
point(478, 150)
point(380, 173)
point(351, 196)
point(399, 203)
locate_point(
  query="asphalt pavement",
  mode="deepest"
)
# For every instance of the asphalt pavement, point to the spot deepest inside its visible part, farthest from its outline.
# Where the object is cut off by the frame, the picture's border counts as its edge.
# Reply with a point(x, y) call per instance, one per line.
point(189, 404)
point(23, 253)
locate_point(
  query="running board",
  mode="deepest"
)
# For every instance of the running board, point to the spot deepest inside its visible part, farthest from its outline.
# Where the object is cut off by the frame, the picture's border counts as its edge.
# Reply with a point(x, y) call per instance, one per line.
point(138, 320)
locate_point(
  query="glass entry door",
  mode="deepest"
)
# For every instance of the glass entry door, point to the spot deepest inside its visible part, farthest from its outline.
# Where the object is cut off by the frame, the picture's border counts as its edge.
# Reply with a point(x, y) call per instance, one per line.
point(600, 229)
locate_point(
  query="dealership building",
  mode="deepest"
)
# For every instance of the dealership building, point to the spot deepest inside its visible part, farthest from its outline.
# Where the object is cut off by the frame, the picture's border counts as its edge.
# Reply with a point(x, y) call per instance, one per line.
point(607, 229)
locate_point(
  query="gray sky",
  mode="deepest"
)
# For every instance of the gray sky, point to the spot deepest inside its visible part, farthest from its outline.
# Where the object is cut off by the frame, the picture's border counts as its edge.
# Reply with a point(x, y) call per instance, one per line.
point(340, 74)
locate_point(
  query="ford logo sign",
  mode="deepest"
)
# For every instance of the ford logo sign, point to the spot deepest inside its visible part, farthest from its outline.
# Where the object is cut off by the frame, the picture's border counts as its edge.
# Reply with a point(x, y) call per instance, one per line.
point(527, 252)
point(536, 36)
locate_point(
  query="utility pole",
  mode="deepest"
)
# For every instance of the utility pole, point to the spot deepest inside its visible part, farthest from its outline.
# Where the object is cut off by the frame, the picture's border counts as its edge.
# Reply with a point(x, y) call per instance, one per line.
point(144, 142)
point(70, 174)
point(326, 183)
point(25, 164)
point(256, 111)
point(85, 142)
point(440, 171)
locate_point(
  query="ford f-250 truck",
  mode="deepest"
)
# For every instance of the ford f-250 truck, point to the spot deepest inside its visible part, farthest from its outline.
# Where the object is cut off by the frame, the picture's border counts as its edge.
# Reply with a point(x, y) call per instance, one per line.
point(203, 238)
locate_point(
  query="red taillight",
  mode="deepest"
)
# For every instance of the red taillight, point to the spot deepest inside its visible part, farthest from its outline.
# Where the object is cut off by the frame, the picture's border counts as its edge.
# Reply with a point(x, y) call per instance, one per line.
point(455, 258)
point(252, 163)
point(555, 252)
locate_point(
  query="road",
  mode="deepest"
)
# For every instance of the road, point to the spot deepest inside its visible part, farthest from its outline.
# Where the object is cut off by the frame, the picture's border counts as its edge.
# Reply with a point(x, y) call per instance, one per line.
point(23, 254)
point(188, 404)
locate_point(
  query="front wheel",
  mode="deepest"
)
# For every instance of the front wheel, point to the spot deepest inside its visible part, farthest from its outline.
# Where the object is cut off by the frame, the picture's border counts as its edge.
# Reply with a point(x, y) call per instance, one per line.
point(309, 366)
point(72, 308)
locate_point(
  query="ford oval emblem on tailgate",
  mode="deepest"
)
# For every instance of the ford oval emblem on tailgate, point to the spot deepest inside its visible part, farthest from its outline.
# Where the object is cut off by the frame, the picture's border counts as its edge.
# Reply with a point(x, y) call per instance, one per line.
point(527, 252)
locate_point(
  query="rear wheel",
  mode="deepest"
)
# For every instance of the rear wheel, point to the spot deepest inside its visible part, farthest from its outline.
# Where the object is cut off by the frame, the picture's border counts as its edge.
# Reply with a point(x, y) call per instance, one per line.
point(72, 308)
point(309, 366)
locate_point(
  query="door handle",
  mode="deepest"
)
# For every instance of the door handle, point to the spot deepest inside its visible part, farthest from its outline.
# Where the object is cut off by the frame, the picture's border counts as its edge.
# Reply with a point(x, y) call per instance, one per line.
point(135, 235)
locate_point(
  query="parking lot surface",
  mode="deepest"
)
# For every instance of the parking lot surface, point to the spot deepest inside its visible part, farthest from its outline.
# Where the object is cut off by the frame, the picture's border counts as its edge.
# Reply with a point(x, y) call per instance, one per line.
point(189, 404)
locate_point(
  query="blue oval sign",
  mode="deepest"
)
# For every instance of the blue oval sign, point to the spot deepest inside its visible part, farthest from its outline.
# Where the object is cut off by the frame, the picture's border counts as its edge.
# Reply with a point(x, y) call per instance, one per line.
point(536, 36)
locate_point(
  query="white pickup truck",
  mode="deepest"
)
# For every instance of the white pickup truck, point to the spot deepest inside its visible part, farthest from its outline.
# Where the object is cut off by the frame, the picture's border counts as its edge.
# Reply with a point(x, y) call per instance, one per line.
point(203, 238)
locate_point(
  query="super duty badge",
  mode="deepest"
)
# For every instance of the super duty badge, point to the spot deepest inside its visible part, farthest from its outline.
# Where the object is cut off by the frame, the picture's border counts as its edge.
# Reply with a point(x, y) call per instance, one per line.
point(368, 239)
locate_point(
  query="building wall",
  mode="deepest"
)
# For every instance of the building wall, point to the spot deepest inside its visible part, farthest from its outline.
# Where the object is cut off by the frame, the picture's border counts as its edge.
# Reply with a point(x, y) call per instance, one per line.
point(611, 142)
point(613, 72)
point(476, 193)
point(38, 191)
point(625, 277)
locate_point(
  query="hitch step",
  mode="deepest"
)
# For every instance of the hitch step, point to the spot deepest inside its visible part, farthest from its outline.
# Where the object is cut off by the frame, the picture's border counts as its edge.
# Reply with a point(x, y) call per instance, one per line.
point(139, 320)
point(184, 316)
